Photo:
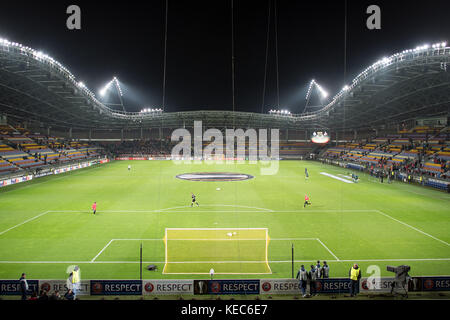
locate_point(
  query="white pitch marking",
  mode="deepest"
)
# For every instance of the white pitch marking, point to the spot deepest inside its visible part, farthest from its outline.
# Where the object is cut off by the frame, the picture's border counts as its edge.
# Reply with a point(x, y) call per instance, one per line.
point(215, 229)
point(243, 211)
point(102, 250)
point(405, 224)
point(328, 249)
point(236, 273)
point(22, 223)
point(335, 177)
point(219, 205)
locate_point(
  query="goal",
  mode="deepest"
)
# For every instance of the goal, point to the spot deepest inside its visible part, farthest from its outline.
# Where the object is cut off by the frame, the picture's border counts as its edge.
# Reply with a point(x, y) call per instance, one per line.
point(226, 250)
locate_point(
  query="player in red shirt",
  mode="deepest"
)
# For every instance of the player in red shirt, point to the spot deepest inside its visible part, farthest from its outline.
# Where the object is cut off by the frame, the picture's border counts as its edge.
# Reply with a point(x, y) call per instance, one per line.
point(306, 201)
point(94, 207)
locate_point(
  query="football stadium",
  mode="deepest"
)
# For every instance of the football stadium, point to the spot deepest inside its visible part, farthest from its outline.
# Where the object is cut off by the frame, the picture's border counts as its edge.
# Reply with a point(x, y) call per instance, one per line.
point(219, 201)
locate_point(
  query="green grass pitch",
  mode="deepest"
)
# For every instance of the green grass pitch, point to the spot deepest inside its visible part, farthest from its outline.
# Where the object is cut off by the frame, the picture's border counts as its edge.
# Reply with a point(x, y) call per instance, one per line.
point(244, 230)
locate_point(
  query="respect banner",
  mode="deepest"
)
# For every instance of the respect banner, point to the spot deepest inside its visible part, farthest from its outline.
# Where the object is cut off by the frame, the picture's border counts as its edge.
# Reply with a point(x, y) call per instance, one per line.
point(376, 285)
point(61, 285)
point(237, 286)
point(435, 283)
point(115, 287)
point(280, 286)
point(12, 287)
point(161, 287)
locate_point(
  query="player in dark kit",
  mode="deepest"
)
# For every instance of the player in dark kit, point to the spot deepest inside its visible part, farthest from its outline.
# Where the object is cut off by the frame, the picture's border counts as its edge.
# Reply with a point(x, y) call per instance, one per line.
point(193, 200)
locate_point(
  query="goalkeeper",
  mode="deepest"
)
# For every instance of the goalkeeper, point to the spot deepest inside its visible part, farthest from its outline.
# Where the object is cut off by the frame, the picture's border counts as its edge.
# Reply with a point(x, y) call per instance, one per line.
point(307, 201)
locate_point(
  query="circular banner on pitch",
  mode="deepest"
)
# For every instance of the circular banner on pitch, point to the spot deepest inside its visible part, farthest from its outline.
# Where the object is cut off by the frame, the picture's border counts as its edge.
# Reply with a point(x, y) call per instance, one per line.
point(214, 176)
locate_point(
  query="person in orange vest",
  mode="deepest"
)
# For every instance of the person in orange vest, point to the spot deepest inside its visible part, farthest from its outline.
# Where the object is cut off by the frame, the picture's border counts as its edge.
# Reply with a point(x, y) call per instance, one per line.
point(355, 275)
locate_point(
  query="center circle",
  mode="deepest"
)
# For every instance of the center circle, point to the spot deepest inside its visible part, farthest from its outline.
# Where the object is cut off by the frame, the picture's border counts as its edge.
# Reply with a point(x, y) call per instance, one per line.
point(214, 176)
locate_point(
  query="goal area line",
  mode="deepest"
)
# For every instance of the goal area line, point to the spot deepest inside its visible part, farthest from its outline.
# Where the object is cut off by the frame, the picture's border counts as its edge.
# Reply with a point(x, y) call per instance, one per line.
point(216, 237)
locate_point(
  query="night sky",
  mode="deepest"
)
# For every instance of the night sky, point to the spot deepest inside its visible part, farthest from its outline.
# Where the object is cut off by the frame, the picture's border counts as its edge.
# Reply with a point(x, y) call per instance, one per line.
point(126, 39)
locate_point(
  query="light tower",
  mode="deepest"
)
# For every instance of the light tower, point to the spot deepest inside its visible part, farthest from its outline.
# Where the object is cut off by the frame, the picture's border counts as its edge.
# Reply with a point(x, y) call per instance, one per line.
point(114, 82)
point(314, 86)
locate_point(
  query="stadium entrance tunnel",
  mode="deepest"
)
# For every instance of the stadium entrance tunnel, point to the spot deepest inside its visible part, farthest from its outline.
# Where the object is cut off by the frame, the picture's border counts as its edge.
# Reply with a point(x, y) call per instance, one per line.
point(214, 176)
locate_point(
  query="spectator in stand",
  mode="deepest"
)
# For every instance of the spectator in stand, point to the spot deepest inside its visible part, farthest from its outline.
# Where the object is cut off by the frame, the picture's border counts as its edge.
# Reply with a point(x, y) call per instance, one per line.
point(43, 295)
point(33, 296)
point(55, 296)
point(69, 295)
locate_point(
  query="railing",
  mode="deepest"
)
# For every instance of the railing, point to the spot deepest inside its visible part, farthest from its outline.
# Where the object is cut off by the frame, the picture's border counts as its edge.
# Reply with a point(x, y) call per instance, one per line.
point(46, 168)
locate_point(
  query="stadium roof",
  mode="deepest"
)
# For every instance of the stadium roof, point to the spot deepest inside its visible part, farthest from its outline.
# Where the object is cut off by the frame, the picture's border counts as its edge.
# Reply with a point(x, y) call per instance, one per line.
point(412, 83)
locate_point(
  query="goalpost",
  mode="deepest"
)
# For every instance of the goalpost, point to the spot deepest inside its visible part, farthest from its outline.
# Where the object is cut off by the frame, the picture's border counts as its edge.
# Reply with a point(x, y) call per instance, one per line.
point(226, 250)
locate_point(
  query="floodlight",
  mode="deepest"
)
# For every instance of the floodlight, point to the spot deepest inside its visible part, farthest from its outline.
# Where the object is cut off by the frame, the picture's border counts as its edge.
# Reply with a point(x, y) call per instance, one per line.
point(321, 90)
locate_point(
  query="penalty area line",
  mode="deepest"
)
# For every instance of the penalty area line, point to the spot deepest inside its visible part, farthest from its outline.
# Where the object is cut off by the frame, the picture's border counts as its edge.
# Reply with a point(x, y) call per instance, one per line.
point(93, 259)
point(22, 223)
point(331, 252)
